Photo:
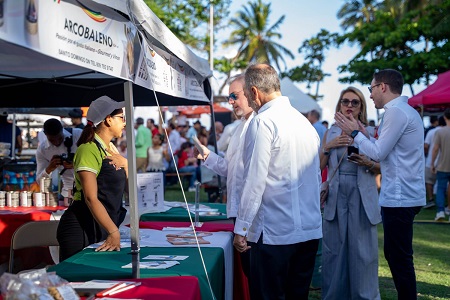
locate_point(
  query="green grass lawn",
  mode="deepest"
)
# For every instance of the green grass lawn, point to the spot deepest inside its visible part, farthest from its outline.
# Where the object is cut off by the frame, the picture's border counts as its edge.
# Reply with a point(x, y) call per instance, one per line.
point(431, 246)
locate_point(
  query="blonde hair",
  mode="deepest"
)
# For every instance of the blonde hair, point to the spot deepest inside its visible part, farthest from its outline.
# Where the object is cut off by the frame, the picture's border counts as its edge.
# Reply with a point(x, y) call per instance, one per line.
point(363, 107)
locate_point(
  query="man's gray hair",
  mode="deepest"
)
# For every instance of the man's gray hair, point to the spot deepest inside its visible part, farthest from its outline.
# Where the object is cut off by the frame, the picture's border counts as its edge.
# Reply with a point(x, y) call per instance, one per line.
point(262, 76)
point(238, 77)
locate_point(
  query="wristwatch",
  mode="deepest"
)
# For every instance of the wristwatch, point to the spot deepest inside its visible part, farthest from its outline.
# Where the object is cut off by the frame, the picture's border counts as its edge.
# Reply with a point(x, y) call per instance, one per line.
point(325, 152)
point(354, 133)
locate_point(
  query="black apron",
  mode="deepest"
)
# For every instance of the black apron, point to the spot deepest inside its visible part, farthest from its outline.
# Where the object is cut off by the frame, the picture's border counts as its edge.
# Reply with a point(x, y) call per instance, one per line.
point(78, 228)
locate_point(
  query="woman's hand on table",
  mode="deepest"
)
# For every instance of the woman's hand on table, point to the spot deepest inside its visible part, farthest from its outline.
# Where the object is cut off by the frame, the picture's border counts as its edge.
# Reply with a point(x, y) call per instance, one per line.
point(112, 242)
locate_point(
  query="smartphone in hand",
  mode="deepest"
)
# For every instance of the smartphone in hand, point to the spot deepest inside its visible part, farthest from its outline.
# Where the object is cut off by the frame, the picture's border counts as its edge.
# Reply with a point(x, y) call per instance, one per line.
point(352, 149)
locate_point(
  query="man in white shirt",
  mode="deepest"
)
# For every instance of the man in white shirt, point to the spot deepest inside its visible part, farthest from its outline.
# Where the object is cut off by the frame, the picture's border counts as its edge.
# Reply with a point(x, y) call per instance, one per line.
point(399, 149)
point(56, 152)
point(279, 214)
point(232, 165)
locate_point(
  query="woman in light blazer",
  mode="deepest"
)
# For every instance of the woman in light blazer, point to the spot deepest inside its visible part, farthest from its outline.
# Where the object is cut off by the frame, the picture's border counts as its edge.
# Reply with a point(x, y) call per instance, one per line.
point(351, 212)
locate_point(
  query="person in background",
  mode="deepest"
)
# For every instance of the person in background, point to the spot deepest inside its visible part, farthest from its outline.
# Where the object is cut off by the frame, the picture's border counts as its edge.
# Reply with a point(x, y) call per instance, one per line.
point(430, 177)
point(187, 163)
point(441, 165)
point(100, 179)
point(325, 124)
point(372, 123)
point(314, 117)
point(142, 143)
point(55, 153)
point(228, 131)
point(122, 148)
point(76, 115)
point(193, 130)
point(6, 134)
point(399, 149)
point(219, 129)
point(152, 126)
point(157, 154)
point(203, 135)
point(279, 216)
point(351, 212)
point(434, 120)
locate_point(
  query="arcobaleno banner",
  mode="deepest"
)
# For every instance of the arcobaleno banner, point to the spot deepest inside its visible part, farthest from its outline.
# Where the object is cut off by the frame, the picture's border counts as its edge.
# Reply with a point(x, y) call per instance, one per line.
point(81, 32)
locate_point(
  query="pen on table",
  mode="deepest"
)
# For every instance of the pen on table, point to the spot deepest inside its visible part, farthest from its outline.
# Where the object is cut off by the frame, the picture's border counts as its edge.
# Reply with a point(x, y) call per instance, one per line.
point(111, 289)
point(126, 288)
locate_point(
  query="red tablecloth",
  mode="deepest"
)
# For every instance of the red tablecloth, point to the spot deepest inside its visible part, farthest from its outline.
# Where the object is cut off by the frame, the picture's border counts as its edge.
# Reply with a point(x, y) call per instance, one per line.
point(240, 283)
point(164, 288)
point(210, 227)
point(12, 218)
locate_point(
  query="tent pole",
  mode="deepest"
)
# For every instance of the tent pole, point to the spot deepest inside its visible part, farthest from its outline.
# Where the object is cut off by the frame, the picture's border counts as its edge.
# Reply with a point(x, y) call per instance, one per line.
point(132, 179)
point(213, 132)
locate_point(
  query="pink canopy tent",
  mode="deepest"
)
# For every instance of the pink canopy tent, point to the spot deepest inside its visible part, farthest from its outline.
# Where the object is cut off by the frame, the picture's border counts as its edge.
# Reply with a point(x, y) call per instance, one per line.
point(436, 97)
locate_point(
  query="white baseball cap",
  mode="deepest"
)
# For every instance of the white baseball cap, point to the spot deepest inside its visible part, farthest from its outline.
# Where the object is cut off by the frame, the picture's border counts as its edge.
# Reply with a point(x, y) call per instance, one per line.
point(101, 107)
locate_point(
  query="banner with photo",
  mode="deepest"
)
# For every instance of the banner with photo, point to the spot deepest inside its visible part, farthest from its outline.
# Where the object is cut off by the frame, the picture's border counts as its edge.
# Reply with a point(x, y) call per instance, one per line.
point(160, 71)
point(80, 32)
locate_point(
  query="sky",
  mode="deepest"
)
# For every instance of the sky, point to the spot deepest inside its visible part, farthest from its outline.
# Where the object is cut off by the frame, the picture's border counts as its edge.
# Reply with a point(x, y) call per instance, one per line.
point(303, 20)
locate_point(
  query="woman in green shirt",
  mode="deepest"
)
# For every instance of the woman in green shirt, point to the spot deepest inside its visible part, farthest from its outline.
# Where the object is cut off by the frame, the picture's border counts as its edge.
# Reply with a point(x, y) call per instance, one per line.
point(100, 181)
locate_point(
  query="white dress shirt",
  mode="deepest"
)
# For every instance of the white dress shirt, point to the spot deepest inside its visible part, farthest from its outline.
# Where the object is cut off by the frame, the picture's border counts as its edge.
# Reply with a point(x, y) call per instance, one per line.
point(47, 150)
point(228, 132)
point(399, 149)
point(280, 198)
point(231, 166)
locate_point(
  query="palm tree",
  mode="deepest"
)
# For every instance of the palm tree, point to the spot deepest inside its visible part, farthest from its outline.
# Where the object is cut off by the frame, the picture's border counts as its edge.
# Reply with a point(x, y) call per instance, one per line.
point(354, 13)
point(255, 37)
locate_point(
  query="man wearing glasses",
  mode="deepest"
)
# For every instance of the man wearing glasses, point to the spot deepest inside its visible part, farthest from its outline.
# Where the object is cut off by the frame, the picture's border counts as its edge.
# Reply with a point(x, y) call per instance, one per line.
point(399, 149)
point(232, 165)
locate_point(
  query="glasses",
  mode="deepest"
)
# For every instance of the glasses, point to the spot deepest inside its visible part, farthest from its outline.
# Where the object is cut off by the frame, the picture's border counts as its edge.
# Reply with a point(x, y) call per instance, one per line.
point(232, 96)
point(119, 116)
point(373, 86)
point(354, 102)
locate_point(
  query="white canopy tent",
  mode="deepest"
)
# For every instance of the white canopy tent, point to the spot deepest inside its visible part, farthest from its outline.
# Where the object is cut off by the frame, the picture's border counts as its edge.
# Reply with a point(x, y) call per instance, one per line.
point(67, 53)
point(299, 100)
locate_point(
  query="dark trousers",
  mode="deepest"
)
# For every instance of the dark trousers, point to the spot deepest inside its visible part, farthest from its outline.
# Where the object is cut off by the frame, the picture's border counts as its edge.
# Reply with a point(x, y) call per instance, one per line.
point(281, 271)
point(398, 251)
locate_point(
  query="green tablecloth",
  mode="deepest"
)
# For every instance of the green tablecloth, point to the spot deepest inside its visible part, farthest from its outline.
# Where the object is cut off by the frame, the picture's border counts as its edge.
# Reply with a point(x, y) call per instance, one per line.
point(179, 214)
point(88, 265)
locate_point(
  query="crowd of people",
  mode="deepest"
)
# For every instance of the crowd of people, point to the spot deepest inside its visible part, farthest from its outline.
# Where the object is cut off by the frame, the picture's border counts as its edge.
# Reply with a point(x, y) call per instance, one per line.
point(273, 179)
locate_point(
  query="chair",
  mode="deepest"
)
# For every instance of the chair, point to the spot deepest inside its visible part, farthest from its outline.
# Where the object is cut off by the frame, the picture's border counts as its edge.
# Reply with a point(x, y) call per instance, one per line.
point(33, 234)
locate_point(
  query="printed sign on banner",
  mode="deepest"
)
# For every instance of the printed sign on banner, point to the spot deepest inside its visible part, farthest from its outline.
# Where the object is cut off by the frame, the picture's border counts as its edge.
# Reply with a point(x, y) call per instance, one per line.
point(80, 32)
point(150, 192)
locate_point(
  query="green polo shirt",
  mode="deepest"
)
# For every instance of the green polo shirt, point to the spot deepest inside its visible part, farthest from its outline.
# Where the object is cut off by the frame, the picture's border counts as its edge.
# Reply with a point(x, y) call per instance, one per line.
point(87, 158)
point(143, 141)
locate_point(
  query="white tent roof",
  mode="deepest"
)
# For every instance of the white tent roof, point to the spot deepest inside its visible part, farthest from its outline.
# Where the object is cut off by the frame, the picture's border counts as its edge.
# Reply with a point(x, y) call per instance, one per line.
point(299, 100)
